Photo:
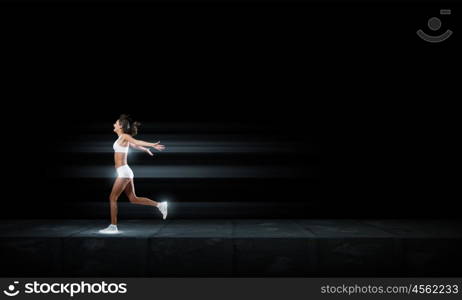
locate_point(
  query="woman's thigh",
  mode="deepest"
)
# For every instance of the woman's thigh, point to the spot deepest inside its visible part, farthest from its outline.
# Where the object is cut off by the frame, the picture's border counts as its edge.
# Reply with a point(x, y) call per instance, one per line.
point(119, 185)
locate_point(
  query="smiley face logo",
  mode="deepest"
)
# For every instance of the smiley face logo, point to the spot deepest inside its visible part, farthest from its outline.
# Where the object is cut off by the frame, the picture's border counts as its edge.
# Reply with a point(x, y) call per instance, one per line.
point(435, 24)
point(11, 292)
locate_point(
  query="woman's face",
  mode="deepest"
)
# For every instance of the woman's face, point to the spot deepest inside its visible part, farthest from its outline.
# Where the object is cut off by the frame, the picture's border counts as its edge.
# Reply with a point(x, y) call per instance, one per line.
point(117, 126)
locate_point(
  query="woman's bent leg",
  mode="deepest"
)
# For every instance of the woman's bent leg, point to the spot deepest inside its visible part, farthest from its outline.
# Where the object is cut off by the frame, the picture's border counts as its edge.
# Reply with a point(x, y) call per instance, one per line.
point(130, 192)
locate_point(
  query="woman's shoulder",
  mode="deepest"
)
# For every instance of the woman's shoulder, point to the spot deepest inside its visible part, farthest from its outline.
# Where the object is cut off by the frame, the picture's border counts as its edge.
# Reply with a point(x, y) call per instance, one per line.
point(126, 137)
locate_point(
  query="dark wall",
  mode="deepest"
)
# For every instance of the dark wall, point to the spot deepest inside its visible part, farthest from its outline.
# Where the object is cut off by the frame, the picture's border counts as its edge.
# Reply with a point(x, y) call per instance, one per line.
point(332, 108)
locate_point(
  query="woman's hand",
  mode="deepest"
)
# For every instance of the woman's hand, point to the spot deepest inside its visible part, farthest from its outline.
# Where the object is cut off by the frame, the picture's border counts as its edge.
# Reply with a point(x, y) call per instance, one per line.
point(158, 146)
point(149, 152)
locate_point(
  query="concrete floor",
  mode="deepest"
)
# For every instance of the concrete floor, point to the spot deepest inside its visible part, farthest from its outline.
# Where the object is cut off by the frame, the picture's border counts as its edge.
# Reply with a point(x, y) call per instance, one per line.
point(232, 248)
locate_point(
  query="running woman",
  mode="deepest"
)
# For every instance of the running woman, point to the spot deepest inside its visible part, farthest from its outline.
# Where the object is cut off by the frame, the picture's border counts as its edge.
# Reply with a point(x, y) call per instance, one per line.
point(126, 129)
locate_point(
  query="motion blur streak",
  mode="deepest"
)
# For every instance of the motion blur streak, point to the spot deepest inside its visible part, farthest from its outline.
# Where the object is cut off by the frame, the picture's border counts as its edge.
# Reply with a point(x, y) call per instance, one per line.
point(194, 147)
point(190, 172)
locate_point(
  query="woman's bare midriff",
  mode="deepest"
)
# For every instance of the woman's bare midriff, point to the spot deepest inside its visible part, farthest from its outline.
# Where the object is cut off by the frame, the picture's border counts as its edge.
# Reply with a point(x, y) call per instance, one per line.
point(120, 159)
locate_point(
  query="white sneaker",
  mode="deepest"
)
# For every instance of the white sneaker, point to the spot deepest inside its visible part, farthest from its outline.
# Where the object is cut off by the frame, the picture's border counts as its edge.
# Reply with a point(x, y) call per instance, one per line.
point(111, 229)
point(163, 209)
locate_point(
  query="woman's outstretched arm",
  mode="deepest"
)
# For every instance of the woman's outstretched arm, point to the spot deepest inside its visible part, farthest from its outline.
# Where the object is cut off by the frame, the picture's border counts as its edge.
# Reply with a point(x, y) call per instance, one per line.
point(136, 142)
point(141, 148)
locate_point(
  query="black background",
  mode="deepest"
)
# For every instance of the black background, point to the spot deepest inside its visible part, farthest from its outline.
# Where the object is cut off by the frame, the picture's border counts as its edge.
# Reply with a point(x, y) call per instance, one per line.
point(349, 79)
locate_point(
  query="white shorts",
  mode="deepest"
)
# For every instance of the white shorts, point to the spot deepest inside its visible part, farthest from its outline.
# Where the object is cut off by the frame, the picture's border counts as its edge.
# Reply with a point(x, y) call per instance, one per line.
point(124, 172)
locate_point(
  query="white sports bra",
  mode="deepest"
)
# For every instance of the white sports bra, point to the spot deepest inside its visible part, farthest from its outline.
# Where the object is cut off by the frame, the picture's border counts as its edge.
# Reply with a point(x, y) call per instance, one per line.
point(118, 148)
